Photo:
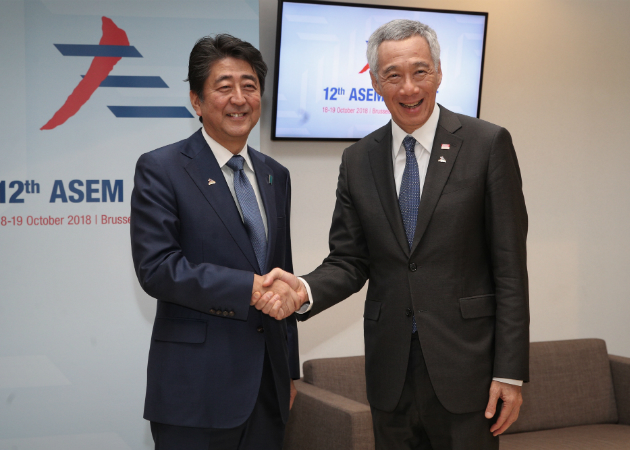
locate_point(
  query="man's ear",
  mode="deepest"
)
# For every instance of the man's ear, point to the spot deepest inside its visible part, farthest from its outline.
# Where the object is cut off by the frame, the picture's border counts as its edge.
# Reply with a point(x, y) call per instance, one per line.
point(375, 85)
point(195, 101)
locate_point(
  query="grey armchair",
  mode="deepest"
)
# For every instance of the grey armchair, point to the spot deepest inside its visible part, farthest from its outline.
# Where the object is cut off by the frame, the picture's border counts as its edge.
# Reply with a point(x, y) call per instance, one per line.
point(578, 399)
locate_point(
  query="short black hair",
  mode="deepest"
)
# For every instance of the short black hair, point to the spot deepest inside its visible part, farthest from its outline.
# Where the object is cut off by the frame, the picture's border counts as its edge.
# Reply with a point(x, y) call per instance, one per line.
point(209, 50)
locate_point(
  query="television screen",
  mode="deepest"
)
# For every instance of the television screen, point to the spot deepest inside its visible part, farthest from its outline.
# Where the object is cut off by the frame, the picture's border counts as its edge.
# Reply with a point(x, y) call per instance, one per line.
point(322, 86)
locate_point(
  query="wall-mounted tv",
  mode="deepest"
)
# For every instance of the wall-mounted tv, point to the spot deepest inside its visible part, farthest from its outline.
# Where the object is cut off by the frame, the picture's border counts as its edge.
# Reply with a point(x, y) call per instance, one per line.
point(322, 87)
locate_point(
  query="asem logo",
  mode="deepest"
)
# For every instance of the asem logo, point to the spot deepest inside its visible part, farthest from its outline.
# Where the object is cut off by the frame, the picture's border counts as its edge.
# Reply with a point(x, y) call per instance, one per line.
point(113, 46)
point(367, 66)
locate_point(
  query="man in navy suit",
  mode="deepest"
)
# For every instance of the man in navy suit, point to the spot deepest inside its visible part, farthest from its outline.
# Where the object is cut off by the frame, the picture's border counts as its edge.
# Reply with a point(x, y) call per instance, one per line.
point(209, 215)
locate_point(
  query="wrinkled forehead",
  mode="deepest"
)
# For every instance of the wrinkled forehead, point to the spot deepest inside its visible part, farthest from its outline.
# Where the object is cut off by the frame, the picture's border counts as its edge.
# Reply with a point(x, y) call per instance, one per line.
point(414, 49)
point(231, 68)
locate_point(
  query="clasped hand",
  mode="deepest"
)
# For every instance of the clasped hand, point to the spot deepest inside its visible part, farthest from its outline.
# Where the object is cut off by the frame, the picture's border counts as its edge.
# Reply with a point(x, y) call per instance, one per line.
point(278, 294)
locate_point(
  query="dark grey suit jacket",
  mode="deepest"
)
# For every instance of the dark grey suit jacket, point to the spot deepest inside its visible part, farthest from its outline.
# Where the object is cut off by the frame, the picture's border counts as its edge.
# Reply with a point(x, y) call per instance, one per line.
point(465, 277)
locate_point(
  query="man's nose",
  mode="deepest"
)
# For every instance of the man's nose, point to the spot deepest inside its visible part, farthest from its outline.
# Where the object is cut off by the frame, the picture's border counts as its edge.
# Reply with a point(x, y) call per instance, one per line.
point(238, 98)
point(409, 87)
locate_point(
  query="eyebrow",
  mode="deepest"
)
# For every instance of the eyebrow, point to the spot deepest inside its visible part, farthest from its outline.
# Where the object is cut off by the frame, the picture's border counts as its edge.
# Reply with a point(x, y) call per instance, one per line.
point(230, 77)
point(250, 77)
point(416, 64)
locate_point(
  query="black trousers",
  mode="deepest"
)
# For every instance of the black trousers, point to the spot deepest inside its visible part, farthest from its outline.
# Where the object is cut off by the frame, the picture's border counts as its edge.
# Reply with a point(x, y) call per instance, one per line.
point(263, 430)
point(420, 422)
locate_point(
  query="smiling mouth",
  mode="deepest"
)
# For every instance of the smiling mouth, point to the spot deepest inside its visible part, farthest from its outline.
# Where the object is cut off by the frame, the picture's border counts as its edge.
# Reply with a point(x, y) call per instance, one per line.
point(236, 115)
point(410, 106)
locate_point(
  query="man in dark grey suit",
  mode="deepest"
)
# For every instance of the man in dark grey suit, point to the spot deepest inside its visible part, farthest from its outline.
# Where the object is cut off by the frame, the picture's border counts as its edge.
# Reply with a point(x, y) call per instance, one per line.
point(430, 209)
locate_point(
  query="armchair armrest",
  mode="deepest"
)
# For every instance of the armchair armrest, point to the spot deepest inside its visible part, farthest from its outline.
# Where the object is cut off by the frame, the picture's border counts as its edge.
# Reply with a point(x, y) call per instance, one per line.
point(322, 420)
point(620, 368)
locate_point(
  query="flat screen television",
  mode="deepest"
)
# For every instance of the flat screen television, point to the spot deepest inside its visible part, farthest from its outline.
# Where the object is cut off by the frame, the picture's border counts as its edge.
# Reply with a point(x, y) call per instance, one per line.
point(322, 86)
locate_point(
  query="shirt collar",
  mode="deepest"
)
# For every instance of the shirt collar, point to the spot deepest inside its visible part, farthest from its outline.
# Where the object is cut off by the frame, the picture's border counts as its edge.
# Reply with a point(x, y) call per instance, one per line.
point(424, 135)
point(222, 154)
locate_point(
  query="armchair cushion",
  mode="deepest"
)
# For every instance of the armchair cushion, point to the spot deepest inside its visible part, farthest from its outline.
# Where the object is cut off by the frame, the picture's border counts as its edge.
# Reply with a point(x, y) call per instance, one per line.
point(321, 419)
point(586, 437)
point(571, 385)
point(343, 376)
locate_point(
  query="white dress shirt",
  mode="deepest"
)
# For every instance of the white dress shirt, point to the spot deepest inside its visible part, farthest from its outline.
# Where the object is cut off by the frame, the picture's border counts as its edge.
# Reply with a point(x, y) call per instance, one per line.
point(424, 137)
point(424, 143)
point(223, 155)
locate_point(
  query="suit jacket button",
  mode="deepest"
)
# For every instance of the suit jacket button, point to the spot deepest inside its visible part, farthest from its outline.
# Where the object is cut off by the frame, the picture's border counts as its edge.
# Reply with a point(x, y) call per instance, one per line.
point(408, 312)
point(413, 267)
point(212, 311)
point(225, 313)
point(231, 314)
point(218, 312)
point(260, 329)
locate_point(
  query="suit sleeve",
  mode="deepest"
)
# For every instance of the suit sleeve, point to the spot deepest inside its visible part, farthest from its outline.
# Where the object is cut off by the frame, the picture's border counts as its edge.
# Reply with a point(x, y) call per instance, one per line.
point(291, 321)
point(506, 230)
point(346, 269)
point(162, 269)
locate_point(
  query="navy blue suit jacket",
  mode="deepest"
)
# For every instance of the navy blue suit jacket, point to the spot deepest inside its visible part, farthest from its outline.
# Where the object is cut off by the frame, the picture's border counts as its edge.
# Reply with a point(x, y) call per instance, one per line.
point(192, 253)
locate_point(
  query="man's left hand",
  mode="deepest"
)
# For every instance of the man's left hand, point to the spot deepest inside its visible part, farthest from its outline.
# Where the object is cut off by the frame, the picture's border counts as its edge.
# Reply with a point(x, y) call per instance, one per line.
point(512, 401)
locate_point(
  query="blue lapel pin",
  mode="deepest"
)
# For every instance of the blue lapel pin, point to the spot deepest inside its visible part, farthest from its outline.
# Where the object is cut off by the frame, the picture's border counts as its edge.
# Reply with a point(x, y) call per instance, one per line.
point(270, 181)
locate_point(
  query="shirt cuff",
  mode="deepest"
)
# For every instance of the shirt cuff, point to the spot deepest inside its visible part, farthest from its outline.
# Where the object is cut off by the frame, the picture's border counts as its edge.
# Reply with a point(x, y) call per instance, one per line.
point(509, 381)
point(306, 307)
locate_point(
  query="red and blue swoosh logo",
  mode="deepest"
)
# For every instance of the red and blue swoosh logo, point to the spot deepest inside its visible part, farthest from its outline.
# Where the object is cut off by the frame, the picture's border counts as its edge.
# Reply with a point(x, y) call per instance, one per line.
point(113, 46)
point(367, 66)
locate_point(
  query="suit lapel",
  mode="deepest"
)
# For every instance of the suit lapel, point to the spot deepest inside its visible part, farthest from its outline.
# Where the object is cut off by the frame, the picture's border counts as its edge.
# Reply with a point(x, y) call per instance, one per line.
point(266, 189)
point(440, 165)
point(204, 166)
point(380, 154)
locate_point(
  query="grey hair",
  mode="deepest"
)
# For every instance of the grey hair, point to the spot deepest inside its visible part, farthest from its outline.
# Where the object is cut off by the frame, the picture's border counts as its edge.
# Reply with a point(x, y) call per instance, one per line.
point(398, 30)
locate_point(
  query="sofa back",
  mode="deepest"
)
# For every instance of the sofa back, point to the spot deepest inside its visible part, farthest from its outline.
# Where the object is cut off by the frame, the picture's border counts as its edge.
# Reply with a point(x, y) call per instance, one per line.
point(343, 376)
point(570, 384)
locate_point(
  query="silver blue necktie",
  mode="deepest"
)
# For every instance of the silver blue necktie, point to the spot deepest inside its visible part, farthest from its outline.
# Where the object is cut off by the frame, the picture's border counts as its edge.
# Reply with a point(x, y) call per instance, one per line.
point(251, 212)
point(409, 197)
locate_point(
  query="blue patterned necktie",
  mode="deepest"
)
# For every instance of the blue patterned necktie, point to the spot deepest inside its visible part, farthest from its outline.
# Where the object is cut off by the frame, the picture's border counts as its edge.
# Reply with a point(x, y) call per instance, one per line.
point(251, 212)
point(409, 197)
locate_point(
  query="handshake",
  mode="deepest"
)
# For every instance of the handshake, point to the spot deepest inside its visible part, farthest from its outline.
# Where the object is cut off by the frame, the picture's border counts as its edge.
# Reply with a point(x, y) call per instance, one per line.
point(278, 294)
